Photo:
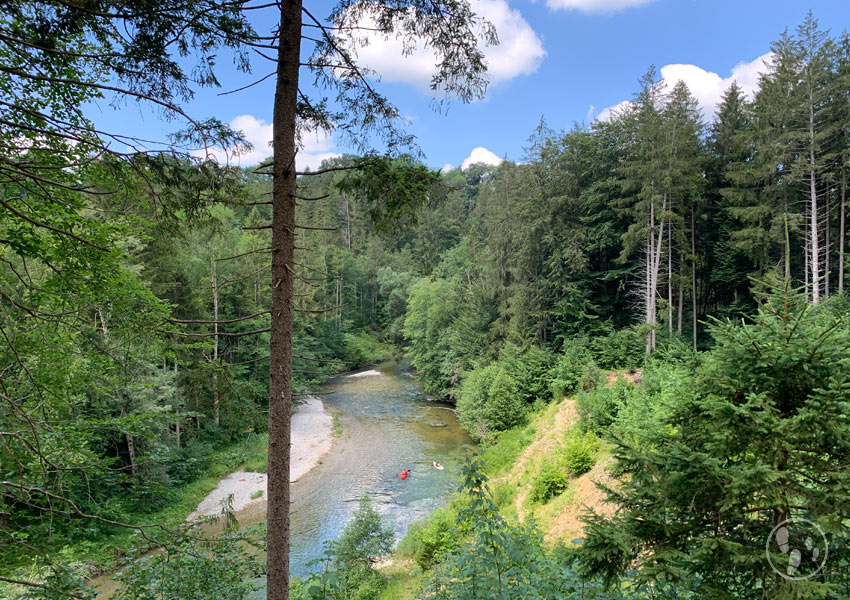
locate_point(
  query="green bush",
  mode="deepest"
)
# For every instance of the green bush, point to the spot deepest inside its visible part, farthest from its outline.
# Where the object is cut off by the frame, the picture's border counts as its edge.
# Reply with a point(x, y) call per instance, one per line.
point(347, 572)
point(498, 559)
point(489, 402)
point(622, 349)
point(426, 541)
point(566, 375)
point(530, 369)
point(196, 568)
point(550, 482)
point(362, 349)
point(364, 538)
point(591, 377)
point(579, 454)
point(598, 408)
point(350, 582)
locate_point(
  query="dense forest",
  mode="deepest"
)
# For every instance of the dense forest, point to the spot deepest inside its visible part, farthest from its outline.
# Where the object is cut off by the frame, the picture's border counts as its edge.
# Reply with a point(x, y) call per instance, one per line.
point(136, 323)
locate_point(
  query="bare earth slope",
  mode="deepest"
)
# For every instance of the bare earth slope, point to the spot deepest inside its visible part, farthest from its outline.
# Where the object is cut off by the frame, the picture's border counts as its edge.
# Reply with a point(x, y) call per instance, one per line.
point(560, 518)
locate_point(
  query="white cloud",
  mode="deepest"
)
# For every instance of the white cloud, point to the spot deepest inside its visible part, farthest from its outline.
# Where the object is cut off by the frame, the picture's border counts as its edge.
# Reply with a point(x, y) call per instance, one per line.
point(612, 111)
point(480, 155)
point(447, 167)
point(706, 86)
point(316, 145)
point(595, 6)
point(519, 52)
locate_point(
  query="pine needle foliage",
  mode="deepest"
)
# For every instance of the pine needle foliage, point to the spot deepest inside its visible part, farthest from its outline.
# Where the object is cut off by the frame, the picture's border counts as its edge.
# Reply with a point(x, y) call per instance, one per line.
point(761, 436)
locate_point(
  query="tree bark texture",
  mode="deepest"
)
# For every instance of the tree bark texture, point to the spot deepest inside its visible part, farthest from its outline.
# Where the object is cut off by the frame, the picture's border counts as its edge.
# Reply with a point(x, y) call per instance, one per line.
point(283, 263)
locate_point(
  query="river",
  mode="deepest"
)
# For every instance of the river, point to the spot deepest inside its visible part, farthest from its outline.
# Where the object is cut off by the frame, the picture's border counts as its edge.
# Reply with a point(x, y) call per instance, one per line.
point(388, 424)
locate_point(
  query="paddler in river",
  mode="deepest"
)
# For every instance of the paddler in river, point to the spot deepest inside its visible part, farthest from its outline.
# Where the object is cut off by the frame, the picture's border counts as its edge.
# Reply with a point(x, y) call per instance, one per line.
point(404, 474)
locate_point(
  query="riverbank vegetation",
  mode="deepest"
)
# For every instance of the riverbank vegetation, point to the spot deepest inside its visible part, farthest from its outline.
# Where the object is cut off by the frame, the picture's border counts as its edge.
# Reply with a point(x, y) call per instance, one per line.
point(691, 470)
point(698, 258)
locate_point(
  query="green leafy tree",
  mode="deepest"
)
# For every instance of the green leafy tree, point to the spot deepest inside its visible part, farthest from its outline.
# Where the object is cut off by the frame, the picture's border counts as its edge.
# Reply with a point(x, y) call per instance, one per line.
point(348, 572)
point(365, 538)
point(490, 401)
point(195, 568)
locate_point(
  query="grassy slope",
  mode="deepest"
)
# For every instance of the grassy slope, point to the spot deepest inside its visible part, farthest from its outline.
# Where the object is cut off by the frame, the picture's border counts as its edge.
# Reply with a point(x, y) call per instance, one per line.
point(512, 465)
point(559, 518)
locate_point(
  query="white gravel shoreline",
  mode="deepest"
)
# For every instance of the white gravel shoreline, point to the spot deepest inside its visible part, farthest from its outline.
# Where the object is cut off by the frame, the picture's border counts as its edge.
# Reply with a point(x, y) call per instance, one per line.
point(369, 373)
point(312, 435)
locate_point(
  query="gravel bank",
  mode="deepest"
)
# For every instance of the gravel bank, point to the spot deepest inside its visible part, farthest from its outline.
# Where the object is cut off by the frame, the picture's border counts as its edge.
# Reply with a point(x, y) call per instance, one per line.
point(312, 434)
point(370, 373)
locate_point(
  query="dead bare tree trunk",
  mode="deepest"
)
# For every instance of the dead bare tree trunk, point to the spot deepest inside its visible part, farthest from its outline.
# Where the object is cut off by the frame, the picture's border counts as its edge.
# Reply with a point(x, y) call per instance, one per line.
point(648, 291)
point(826, 247)
point(806, 246)
point(653, 271)
point(131, 445)
point(670, 278)
point(813, 209)
point(283, 264)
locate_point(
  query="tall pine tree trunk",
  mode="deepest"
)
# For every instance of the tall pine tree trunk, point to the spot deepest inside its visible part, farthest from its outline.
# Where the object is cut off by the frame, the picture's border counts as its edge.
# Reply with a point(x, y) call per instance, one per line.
point(347, 221)
point(283, 264)
point(681, 294)
point(653, 271)
point(806, 253)
point(131, 445)
point(648, 291)
point(826, 247)
point(841, 232)
point(214, 286)
point(670, 277)
point(694, 276)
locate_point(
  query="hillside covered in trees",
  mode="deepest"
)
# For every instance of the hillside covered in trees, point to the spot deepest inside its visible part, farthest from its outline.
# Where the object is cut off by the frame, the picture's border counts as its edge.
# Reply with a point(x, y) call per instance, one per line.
point(708, 253)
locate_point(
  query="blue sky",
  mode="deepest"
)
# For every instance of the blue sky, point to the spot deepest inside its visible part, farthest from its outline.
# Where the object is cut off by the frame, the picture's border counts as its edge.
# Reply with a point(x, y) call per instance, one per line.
point(564, 60)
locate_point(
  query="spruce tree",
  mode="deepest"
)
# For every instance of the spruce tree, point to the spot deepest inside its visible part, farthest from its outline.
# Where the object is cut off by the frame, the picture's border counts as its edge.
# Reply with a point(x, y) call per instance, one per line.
point(740, 243)
point(760, 436)
point(685, 182)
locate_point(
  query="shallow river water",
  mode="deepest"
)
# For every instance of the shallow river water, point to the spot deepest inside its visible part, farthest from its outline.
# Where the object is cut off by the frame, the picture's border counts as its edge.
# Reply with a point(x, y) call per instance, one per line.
point(388, 424)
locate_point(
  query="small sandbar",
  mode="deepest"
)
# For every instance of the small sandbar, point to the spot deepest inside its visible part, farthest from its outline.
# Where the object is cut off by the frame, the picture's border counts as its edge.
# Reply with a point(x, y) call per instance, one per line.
point(312, 436)
point(370, 373)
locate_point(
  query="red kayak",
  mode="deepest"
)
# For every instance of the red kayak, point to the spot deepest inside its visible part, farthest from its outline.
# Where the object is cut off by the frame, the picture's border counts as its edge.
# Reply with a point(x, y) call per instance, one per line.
point(404, 474)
